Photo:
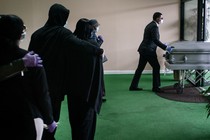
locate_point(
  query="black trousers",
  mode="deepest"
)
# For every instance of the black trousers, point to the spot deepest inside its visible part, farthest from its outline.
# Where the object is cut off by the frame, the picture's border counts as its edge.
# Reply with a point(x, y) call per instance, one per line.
point(17, 124)
point(82, 119)
point(153, 61)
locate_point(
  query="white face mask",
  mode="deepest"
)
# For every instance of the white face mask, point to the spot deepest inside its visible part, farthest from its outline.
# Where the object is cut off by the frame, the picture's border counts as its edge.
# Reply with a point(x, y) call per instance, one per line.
point(97, 29)
point(161, 21)
point(23, 35)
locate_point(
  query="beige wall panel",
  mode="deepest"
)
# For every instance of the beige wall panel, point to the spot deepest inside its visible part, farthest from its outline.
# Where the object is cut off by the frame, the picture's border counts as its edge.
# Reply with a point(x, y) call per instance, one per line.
point(122, 23)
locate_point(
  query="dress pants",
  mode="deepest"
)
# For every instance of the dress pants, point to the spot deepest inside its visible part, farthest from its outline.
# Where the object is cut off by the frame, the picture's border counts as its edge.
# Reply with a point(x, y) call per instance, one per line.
point(82, 119)
point(153, 61)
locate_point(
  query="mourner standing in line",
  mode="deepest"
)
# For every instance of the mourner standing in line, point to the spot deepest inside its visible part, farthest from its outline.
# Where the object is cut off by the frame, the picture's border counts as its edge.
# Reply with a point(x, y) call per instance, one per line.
point(84, 112)
point(60, 51)
point(25, 104)
point(99, 39)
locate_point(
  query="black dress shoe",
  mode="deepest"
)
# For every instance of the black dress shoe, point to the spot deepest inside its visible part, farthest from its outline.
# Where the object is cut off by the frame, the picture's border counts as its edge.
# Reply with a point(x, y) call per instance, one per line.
point(135, 89)
point(103, 99)
point(158, 90)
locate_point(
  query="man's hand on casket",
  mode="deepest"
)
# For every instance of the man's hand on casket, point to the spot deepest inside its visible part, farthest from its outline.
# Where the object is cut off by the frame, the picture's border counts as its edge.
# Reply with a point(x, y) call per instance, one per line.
point(169, 49)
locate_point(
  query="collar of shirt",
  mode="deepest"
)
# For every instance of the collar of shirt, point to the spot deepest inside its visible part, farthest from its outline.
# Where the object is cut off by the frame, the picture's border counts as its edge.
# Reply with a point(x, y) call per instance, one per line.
point(156, 23)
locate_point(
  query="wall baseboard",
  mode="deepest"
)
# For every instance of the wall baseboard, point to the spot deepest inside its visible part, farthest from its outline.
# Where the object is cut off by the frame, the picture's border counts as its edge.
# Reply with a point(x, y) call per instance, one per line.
point(133, 71)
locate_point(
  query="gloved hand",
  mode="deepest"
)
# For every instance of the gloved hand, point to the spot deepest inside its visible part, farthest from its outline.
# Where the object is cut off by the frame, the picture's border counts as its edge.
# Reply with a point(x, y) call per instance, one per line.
point(169, 49)
point(100, 39)
point(32, 60)
point(51, 127)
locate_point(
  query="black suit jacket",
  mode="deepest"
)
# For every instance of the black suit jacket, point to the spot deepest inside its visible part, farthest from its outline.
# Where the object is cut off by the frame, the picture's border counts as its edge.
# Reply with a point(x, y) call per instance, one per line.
point(151, 40)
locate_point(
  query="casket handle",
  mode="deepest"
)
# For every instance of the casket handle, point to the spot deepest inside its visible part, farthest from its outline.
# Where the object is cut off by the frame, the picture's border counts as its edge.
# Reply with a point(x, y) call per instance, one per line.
point(185, 58)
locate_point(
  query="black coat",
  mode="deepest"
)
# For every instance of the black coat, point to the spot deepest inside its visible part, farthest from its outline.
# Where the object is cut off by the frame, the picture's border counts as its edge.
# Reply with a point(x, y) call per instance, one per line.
point(151, 40)
point(23, 97)
point(71, 64)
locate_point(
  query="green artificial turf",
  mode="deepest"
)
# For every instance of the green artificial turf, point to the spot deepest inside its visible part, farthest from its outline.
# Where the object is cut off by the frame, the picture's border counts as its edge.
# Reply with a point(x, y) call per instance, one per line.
point(142, 115)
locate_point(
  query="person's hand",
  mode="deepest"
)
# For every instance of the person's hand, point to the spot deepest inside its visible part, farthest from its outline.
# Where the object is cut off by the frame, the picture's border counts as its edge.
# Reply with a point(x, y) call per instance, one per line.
point(169, 49)
point(51, 127)
point(100, 38)
point(100, 51)
point(32, 60)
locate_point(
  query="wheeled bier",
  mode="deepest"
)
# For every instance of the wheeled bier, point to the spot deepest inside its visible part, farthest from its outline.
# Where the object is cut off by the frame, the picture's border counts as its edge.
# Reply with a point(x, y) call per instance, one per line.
point(192, 59)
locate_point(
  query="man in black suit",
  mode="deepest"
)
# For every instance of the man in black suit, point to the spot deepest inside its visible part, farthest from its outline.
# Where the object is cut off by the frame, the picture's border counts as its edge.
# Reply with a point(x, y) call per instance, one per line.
point(147, 51)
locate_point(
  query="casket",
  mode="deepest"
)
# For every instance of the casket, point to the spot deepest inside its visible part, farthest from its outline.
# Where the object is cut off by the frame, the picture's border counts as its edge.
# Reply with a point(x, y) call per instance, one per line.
point(189, 52)
point(192, 59)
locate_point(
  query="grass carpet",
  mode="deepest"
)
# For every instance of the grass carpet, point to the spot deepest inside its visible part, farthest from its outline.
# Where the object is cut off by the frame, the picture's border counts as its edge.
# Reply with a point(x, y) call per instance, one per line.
point(143, 115)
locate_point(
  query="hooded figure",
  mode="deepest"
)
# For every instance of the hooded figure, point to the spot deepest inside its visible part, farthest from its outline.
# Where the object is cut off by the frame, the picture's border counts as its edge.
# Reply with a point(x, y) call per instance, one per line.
point(71, 69)
point(25, 92)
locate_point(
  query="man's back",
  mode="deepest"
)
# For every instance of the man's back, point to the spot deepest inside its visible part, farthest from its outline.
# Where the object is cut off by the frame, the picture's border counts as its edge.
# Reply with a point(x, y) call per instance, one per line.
point(151, 33)
point(49, 44)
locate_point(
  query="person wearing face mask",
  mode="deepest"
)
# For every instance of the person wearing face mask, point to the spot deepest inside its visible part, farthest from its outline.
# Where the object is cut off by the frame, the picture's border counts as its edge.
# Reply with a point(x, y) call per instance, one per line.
point(60, 51)
point(147, 51)
point(95, 25)
point(99, 39)
point(26, 91)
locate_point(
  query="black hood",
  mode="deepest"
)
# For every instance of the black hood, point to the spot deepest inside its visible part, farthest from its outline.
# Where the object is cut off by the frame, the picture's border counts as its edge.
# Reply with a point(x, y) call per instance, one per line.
point(57, 15)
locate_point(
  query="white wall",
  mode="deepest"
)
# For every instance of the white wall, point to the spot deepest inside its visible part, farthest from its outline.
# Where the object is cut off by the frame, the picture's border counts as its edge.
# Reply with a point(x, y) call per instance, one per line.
point(122, 24)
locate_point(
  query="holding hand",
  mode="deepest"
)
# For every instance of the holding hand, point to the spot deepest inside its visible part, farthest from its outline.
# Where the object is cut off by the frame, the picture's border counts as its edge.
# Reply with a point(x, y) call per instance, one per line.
point(32, 60)
point(51, 127)
point(100, 40)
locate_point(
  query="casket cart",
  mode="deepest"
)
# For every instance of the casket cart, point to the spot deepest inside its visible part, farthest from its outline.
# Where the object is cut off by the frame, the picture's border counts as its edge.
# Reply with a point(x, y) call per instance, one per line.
point(192, 60)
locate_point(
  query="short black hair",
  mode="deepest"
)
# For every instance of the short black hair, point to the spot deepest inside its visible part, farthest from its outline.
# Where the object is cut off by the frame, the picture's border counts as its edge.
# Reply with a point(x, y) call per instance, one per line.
point(156, 15)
